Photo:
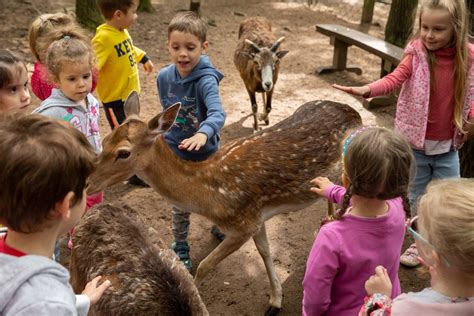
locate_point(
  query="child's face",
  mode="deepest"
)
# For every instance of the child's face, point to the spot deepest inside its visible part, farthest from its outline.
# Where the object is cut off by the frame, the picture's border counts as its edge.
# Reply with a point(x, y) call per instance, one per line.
point(126, 19)
point(185, 50)
point(436, 29)
point(75, 80)
point(16, 97)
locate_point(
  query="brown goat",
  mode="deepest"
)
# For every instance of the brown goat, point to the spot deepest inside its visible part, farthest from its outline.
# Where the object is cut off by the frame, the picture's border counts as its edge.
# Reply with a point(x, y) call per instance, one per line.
point(146, 279)
point(245, 183)
point(258, 60)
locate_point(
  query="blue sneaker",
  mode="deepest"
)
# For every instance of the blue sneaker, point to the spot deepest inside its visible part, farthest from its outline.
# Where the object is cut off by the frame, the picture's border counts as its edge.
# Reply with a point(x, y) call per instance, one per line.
point(181, 248)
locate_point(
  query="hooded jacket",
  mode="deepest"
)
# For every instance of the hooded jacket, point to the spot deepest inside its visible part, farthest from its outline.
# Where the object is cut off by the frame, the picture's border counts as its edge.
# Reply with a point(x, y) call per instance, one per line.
point(59, 106)
point(201, 108)
point(36, 285)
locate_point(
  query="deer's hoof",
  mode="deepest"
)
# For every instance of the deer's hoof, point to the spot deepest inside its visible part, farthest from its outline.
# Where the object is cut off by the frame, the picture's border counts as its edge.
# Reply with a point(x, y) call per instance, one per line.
point(263, 117)
point(272, 311)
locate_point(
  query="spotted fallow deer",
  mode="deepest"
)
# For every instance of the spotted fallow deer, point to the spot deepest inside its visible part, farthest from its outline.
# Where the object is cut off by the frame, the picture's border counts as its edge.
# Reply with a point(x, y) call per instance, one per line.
point(245, 183)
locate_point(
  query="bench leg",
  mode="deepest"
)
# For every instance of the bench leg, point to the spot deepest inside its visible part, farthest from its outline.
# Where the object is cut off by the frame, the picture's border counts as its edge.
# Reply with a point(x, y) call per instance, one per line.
point(339, 60)
point(372, 103)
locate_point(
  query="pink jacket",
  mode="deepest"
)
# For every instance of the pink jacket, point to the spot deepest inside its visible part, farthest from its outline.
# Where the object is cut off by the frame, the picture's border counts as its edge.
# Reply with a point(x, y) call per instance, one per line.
point(413, 102)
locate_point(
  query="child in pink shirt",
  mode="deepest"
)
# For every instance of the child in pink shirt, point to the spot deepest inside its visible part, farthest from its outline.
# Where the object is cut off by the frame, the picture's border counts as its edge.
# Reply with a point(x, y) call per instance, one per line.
point(369, 228)
point(436, 100)
point(444, 237)
point(39, 37)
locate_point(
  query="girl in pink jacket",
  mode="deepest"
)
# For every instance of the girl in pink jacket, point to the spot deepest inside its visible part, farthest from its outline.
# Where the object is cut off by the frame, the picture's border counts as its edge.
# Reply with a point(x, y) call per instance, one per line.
point(436, 100)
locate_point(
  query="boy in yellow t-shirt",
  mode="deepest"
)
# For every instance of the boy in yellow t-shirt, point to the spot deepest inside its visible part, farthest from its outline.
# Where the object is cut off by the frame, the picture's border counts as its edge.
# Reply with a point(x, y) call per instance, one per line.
point(117, 58)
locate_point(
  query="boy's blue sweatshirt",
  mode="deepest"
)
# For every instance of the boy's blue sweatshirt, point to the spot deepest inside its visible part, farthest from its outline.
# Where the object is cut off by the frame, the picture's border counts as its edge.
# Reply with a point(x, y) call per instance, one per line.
point(201, 107)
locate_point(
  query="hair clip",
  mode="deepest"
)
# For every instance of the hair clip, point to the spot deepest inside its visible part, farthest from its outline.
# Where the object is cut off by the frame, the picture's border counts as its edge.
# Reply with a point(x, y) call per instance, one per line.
point(67, 37)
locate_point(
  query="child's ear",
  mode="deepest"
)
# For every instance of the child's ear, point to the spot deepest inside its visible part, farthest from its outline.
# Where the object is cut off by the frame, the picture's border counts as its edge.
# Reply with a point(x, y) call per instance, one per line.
point(205, 46)
point(63, 208)
point(118, 14)
point(345, 180)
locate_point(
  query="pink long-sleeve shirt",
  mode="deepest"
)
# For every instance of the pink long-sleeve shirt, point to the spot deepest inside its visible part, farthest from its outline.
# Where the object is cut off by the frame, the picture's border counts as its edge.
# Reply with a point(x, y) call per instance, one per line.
point(440, 119)
point(345, 254)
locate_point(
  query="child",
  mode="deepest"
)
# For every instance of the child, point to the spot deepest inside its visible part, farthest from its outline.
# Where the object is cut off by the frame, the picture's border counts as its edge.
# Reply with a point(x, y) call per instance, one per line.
point(376, 172)
point(437, 96)
point(70, 62)
point(193, 81)
point(39, 38)
point(117, 57)
point(45, 166)
point(14, 94)
point(445, 241)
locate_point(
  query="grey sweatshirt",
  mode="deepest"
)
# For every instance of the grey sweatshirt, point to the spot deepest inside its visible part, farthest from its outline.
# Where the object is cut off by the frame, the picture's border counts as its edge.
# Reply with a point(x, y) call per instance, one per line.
point(35, 285)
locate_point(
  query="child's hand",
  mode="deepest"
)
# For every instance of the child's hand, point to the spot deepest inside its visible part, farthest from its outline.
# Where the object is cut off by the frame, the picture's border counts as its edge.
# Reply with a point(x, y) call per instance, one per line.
point(194, 143)
point(379, 282)
point(363, 91)
point(95, 292)
point(320, 185)
point(148, 67)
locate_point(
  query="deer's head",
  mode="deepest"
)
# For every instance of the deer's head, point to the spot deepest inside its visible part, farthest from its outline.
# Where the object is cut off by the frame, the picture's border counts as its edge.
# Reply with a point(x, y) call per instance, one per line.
point(124, 146)
point(266, 61)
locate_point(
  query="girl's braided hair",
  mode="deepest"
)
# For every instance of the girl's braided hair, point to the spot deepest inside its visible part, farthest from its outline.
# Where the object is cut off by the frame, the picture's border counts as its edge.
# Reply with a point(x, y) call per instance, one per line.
point(377, 163)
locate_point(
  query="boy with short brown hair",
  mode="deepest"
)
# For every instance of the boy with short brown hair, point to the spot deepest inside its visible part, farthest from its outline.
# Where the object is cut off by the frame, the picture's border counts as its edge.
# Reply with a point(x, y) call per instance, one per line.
point(44, 166)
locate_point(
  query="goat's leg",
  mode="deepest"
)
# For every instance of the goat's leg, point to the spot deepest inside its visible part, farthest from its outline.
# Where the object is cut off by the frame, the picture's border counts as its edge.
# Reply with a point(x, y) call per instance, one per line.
point(253, 102)
point(261, 241)
point(267, 108)
point(230, 244)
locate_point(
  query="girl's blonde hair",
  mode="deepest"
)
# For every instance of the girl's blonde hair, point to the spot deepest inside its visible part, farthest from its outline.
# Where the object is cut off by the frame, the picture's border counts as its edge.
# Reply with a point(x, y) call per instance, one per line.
point(377, 162)
point(447, 213)
point(67, 46)
point(41, 28)
point(457, 11)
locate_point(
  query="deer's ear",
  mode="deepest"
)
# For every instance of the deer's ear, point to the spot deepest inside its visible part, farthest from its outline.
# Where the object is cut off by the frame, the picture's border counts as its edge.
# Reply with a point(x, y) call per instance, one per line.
point(132, 104)
point(163, 121)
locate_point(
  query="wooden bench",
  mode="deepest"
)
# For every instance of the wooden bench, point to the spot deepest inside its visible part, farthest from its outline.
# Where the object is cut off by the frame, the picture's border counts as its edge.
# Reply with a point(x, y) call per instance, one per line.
point(342, 37)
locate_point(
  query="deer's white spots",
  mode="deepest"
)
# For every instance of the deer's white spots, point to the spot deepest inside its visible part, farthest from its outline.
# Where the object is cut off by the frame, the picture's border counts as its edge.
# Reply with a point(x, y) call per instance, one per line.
point(223, 191)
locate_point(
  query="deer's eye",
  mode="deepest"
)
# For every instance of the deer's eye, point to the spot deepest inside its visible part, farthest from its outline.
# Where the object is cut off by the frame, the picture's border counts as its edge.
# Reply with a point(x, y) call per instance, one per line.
point(123, 154)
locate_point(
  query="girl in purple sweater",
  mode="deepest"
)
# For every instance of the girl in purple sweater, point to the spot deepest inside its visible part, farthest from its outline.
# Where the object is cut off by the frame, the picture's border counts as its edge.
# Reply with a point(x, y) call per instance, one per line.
point(369, 228)
point(444, 236)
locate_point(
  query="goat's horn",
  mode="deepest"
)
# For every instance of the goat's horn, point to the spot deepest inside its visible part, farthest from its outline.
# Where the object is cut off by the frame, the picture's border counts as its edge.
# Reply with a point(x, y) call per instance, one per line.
point(277, 44)
point(252, 44)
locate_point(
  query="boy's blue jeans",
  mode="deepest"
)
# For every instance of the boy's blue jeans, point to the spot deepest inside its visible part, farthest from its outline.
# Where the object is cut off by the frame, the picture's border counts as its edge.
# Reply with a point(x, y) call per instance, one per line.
point(430, 168)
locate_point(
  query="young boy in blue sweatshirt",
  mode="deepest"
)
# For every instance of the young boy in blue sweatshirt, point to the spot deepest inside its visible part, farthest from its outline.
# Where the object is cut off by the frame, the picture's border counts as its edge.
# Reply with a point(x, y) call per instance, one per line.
point(193, 81)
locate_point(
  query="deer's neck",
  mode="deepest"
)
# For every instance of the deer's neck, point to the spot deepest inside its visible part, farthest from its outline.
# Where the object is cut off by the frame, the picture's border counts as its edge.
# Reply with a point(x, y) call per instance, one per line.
point(183, 183)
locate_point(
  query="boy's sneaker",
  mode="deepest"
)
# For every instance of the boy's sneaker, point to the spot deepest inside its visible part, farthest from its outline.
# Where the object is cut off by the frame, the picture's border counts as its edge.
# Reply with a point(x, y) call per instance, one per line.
point(181, 248)
point(134, 180)
point(410, 257)
point(215, 231)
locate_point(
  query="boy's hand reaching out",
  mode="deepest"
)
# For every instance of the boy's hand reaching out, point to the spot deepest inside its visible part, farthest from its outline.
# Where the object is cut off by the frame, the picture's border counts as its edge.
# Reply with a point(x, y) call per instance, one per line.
point(363, 91)
point(320, 185)
point(194, 143)
point(95, 292)
point(148, 67)
point(379, 282)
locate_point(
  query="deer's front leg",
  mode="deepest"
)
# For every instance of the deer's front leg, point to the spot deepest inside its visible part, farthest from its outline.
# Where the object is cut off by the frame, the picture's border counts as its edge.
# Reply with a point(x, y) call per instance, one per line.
point(230, 244)
point(253, 102)
point(261, 241)
point(267, 101)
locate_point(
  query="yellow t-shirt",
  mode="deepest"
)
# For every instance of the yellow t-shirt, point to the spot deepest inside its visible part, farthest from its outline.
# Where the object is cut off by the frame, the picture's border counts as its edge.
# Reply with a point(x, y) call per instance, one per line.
point(117, 61)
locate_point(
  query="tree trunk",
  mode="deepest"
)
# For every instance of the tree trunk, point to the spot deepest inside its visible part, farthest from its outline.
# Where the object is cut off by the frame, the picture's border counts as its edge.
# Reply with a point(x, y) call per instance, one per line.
point(88, 14)
point(145, 6)
point(195, 6)
point(466, 155)
point(400, 21)
point(470, 12)
point(367, 12)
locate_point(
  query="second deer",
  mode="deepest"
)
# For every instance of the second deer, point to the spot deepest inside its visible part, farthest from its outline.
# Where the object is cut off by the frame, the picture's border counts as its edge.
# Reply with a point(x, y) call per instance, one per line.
point(248, 181)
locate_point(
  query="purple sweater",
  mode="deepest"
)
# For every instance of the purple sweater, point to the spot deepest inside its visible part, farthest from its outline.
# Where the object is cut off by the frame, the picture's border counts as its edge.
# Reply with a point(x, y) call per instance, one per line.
point(345, 254)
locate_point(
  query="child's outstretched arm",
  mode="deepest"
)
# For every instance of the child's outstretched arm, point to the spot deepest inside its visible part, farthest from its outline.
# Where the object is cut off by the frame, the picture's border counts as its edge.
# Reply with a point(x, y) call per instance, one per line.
point(363, 91)
point(144, 59)
point(323, 187)
point(193, 143)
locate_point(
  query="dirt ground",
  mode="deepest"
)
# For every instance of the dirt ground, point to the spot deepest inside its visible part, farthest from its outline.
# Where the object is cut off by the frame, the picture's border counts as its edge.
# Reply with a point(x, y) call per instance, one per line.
point(239, 285)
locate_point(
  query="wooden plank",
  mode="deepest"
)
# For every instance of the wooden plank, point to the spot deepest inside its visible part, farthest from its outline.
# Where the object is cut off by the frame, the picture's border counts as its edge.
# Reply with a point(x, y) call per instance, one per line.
point(369, 43)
